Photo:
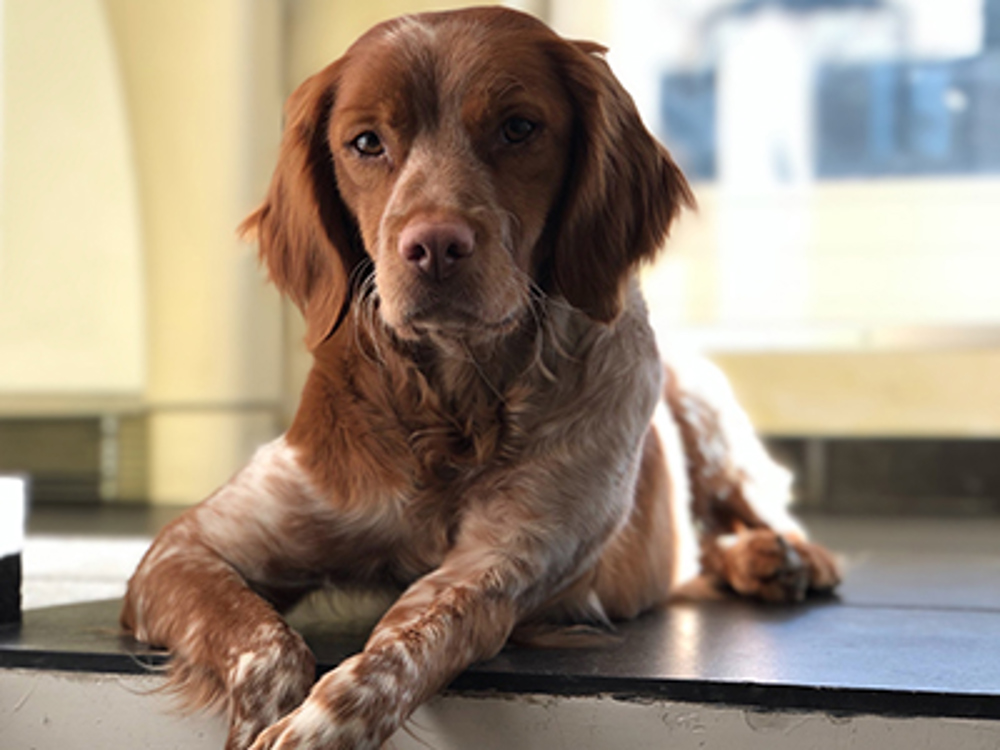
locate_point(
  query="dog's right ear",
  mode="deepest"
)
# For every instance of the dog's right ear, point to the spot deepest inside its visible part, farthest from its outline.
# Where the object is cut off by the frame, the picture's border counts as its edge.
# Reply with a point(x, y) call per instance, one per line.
point(308, 240)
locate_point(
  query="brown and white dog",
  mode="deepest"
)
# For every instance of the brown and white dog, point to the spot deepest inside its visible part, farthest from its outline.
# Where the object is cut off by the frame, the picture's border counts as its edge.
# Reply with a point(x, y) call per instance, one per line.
point(459, 207)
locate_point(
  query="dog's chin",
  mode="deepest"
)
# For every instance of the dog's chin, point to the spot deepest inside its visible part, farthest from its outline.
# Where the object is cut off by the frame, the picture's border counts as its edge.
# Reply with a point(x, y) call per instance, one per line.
point(453, 324)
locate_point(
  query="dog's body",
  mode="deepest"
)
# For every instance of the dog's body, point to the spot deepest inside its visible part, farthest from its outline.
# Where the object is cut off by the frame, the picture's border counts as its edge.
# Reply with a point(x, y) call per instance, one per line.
point(459, 207)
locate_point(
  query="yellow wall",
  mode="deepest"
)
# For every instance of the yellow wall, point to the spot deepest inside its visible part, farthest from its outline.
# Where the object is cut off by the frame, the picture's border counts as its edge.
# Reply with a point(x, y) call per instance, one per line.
point(72, 314)
point(319, 31)
point(576, 20)
point(204, 93)
point(944, 393)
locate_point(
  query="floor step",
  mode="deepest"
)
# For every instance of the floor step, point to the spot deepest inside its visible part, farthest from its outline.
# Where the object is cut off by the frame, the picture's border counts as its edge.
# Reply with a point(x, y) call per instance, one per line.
point(905, 656)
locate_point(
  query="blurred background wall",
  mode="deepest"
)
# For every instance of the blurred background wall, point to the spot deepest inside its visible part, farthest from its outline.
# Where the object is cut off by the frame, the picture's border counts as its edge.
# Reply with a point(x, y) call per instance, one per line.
point(841, 268)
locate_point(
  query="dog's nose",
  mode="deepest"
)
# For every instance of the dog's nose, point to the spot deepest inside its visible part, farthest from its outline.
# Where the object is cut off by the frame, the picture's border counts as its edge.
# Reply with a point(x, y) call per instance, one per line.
point(436, 248)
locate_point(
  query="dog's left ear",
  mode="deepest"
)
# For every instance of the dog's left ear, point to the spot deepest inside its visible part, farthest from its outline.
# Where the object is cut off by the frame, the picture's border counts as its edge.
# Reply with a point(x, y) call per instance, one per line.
point(623, 189)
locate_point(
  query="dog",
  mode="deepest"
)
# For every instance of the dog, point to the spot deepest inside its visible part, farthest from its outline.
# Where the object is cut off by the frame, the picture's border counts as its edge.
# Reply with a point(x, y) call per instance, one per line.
point(459, 208)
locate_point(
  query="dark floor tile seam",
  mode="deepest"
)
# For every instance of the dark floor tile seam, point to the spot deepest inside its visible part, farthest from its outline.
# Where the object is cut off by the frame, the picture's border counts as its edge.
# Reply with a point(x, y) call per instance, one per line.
point(760, 696)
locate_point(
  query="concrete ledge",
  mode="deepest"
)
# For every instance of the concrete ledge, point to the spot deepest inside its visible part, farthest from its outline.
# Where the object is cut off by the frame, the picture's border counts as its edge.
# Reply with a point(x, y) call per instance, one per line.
point(47, 710)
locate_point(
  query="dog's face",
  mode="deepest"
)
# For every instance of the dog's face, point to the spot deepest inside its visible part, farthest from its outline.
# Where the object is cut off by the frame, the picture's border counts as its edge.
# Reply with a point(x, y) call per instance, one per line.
point(477, 160)
point(450, 144)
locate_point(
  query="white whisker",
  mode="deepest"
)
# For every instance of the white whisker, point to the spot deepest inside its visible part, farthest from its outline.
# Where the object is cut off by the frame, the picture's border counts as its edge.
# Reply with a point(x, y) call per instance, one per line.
point(482, 374)
point(365, 315)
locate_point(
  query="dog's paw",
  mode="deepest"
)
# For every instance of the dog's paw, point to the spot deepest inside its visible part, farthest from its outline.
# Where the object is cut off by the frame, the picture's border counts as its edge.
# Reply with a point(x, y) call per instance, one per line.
point(267, 680)
point(762, 564)
point(343, 711)
point(286, 735)
point(313, 727)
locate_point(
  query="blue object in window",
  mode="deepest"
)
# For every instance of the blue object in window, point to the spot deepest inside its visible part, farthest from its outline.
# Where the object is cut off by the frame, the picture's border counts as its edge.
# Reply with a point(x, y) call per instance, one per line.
point(880, 119)
point(882, 113)
point(930, 122)
point(687, 121)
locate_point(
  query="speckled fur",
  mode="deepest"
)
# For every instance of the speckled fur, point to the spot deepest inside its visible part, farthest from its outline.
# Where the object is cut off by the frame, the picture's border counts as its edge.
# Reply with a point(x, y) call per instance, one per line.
point(484, 441)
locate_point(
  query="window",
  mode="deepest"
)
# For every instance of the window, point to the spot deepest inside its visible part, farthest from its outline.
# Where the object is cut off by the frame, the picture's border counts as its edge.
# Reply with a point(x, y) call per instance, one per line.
point(847, 161)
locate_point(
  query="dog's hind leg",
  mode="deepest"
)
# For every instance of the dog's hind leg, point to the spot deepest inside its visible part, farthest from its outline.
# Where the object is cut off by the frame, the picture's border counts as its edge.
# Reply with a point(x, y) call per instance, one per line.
point(740, 497)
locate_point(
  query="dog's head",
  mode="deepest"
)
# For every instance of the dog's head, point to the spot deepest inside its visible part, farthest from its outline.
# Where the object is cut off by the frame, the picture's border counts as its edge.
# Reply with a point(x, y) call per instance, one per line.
point(476, 159)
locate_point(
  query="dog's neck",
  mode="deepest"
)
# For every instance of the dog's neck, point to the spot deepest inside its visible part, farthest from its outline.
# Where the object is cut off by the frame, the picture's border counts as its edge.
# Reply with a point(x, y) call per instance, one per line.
point(458, 404)
point(462, 378)
point(460, 373)
point(464, 371)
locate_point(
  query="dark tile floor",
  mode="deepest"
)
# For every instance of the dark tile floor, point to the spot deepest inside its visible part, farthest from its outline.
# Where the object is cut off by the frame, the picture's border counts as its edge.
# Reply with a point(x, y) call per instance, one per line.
point(914, 630)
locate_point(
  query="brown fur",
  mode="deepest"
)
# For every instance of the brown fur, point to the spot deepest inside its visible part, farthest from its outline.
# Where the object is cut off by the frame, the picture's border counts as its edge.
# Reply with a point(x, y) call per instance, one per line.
point(476, 427)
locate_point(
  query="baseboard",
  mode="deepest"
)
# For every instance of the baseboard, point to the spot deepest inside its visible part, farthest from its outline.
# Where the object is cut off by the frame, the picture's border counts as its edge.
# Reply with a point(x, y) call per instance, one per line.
point(893, 476)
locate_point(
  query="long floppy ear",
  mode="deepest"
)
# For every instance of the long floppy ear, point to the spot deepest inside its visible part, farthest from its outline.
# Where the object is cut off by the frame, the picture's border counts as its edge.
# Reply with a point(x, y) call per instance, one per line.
point(623, 189)
point(308, 240)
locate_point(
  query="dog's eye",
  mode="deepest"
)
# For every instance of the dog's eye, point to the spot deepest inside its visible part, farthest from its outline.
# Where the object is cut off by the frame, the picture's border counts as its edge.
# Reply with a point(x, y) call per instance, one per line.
point(517, 129)
point(368, 144)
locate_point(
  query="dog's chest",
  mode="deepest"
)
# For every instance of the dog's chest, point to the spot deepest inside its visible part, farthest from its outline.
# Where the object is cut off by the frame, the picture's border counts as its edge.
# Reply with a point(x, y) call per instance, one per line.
point(408, 450)
point(455, 459)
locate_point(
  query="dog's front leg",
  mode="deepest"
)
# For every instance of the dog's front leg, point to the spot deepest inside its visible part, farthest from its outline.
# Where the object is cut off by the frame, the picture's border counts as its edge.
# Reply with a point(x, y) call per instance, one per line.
point(444, 623)
point(213, 584)
point(458, 614)
point(228, 645)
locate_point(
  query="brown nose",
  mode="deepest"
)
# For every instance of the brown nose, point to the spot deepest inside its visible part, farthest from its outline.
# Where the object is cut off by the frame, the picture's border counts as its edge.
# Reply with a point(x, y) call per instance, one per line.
point(436, 248)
